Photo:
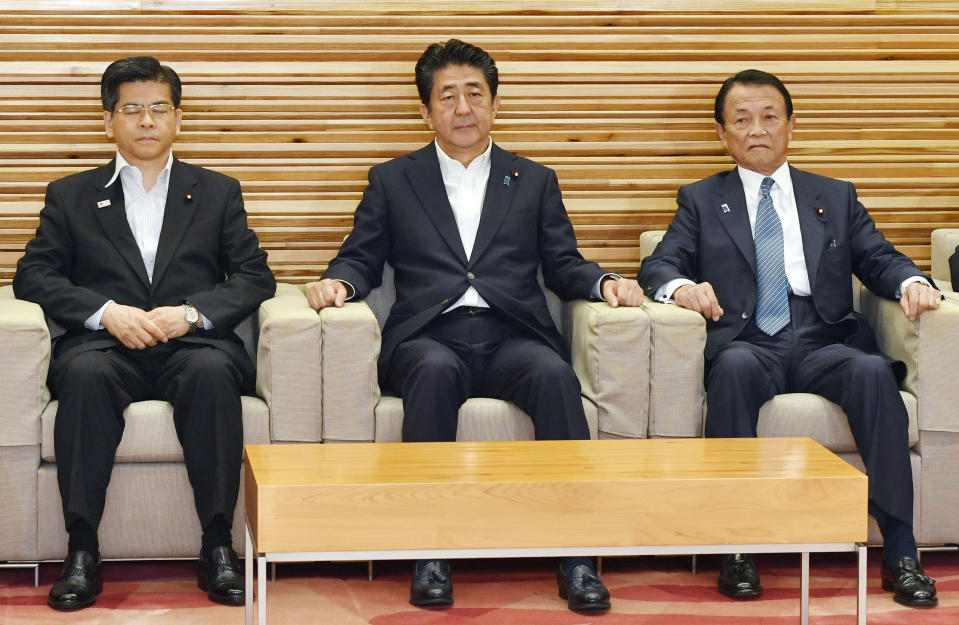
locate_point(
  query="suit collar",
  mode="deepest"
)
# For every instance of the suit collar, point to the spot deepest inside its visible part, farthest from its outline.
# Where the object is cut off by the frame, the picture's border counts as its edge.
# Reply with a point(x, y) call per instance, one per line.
point(110, 210)
point(427, 182)
point(730, 208)
point(812, 221)
point(182, 200)
point(504, 180)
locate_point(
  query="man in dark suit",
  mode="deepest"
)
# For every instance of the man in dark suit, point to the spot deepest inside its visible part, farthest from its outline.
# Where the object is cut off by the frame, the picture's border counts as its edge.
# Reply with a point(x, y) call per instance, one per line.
point(147, 264)
point(766, 253)
point(466, 227)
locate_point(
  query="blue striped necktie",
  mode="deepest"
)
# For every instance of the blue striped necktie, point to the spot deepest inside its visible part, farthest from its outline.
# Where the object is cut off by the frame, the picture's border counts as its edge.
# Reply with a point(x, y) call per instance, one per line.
point(772, 305)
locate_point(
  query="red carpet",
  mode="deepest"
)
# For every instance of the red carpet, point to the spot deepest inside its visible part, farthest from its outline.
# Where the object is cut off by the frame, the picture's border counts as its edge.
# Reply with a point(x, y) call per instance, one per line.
point(645, 591)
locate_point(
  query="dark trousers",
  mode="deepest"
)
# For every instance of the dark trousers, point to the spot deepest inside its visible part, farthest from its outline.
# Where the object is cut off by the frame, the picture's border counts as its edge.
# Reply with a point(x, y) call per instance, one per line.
point(203, 385)
point(808, 356)
point(472, 352)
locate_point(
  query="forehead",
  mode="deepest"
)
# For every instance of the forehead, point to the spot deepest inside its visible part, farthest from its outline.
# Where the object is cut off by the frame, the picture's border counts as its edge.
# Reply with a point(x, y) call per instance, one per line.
point(453, 76)
point(753, 97)
point(144, 91)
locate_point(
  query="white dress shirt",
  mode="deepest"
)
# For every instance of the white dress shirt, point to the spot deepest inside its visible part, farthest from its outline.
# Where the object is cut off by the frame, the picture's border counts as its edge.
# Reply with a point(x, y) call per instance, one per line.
point(466, 190)
point(784, 201)
point(144, 210)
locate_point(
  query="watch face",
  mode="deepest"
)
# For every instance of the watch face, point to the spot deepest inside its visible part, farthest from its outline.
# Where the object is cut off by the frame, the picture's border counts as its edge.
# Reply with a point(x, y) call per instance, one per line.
point(192, 316)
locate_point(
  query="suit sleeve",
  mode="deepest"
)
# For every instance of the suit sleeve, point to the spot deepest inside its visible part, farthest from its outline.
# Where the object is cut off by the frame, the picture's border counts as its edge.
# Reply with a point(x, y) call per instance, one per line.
point(676, 256)
point(954, 269)
point(565, 271)
point(44, 273)
point(876, 262)
point(249, 280)
point(361, 257)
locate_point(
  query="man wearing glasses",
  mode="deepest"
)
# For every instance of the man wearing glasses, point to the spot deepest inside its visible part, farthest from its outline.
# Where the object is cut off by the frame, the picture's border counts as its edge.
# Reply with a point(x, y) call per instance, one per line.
point(145, 266)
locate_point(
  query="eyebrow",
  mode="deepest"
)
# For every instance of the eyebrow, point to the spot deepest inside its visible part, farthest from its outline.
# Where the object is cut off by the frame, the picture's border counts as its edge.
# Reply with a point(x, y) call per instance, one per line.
point(472, 83)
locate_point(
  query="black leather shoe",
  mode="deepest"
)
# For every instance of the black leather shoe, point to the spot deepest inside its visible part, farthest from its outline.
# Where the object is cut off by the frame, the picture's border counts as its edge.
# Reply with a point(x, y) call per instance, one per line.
point(221, 577)
point(80, 581)
point(431, 586)
point(738, 577)
point(583, 589)
point(910, 584)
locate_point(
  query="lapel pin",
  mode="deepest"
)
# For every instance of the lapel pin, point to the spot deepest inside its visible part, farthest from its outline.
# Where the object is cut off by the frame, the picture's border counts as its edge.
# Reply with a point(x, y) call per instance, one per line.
point(725, 208)
point(103, 203)
point(187, 197)
point(515, 174)
point(820, 211)
point(506, 180)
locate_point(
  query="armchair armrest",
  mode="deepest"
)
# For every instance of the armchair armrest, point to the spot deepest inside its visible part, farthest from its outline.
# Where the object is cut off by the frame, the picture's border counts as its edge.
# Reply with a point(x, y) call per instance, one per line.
point(930, 348)
point(351, 347)
point(944, 242)
point(288, 365)
point(24, 361)
point(610, 352)
point(677, 338)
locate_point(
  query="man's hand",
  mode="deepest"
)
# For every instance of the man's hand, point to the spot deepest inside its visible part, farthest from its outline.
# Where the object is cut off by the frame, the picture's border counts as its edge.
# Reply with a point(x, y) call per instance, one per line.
point(918, 298)
point(171, 320)
point(131, 326)
point(622, 292)
point(326, 292)
point(699, 297)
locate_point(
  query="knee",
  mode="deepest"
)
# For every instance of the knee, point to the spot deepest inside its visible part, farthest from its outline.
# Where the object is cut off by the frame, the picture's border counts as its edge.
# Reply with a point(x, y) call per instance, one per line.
point(735, 365)
point(872, 370)
point(436, 366)
point(84, 371)
point(208, 366)
point(554, 374)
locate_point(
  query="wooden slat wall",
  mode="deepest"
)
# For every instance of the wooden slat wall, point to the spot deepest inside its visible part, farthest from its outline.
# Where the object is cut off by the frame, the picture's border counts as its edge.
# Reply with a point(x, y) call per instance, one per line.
point(299, 100)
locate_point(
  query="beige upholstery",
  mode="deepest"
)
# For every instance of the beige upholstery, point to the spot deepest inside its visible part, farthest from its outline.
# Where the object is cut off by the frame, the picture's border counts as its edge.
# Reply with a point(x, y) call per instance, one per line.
point(149, 508)
point(610, 355)
point(944, 244)
point(931, 364)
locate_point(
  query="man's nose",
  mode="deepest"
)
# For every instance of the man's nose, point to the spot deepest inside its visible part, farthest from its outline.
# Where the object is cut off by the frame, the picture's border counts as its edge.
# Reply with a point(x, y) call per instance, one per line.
point(462, 106)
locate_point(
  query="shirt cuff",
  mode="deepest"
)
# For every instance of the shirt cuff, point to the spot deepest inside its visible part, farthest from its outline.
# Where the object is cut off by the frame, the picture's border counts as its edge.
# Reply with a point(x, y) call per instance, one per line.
point(908, 281)
point(598, 287)
point(349, 287)
point(665, 293)
point(93, 321)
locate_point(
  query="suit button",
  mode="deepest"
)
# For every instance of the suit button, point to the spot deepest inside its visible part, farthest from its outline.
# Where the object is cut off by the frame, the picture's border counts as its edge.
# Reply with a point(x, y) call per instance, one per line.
point(470, 276)
point(745, 315)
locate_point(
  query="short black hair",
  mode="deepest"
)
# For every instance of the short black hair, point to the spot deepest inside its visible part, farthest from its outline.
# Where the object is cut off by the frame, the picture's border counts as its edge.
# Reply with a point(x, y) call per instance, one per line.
point(453, 52)
point(136, 69)
point(750, 77)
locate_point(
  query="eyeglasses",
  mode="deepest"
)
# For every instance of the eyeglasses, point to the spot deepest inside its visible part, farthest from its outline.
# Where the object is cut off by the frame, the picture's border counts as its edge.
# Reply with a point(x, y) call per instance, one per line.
point(136, 111)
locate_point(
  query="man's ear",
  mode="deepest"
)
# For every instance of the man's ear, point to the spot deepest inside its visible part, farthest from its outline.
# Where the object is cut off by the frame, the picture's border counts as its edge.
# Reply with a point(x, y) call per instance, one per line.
point(496, 103)
point(108, 124)
point(427, 117)
point(721, 133)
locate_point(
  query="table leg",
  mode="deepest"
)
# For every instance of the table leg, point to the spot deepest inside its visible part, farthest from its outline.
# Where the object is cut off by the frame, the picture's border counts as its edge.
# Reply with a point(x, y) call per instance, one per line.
point(261, 588)
point(804, 590)
point(248, 586)
point(861, 600)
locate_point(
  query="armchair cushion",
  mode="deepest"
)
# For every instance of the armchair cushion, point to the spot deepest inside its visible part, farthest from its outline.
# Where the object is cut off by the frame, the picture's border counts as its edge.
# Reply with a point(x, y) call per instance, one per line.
point(24, 360)
point(149, 435)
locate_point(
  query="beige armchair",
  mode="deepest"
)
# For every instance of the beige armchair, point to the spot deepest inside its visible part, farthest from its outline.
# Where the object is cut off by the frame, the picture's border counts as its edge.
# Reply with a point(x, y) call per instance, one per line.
point(931, 364)
point(149, 508)
point(610, 352)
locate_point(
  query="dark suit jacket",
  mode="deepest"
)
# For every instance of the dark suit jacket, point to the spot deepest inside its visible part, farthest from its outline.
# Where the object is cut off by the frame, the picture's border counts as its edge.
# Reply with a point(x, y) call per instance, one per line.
point(706, 244)
point(954, 269)
point(84, 254)
point(405, 218)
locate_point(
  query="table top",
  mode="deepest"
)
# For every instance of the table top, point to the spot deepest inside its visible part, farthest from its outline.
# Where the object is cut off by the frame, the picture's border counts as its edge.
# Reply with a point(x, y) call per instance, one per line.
point(569, 461)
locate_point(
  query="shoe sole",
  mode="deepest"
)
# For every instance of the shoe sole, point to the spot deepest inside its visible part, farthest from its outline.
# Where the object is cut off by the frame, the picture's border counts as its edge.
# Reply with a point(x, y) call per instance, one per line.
point(228, 600)
point(70, 606)
point(738, 594)
point(596, 606)
point(910, 603)
point(432, 603)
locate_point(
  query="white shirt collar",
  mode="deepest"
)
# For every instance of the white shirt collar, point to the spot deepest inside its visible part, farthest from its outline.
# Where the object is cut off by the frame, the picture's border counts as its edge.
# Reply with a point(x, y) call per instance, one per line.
point(449, 164)
point(122, 162)
point(753, 180)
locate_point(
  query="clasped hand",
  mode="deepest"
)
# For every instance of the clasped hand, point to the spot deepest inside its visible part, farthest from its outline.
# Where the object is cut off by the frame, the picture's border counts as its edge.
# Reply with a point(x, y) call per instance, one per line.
point(139, 329)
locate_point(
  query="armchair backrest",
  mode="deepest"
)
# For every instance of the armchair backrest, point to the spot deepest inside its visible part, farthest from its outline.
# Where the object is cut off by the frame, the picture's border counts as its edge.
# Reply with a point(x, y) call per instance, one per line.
point(944, 242)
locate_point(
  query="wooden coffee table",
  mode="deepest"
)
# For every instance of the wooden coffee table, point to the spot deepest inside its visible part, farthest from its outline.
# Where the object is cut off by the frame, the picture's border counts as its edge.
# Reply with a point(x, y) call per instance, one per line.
point(373, 501)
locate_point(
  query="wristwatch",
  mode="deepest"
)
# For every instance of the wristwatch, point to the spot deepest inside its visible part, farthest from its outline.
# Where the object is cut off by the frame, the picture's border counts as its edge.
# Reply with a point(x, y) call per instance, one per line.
point(192, 316)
